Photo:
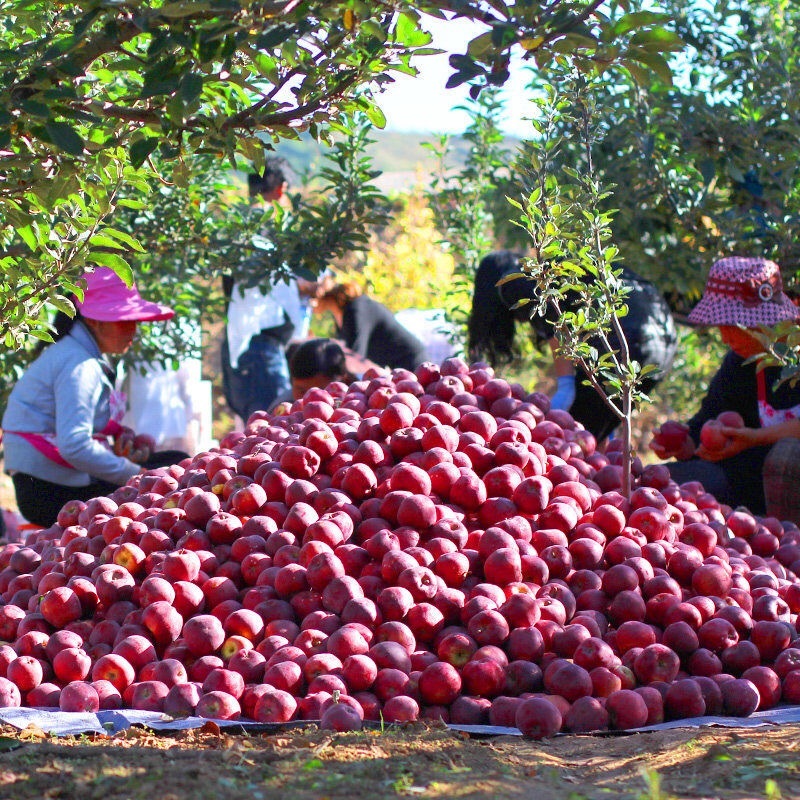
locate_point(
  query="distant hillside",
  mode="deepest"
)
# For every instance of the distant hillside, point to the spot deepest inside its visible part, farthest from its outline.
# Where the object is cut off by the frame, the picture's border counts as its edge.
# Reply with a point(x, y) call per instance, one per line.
point(401, 157)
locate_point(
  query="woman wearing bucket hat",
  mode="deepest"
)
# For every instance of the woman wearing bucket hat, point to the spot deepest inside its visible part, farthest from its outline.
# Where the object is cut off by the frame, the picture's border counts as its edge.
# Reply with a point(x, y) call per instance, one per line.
point(759, 465)
point(63, 413)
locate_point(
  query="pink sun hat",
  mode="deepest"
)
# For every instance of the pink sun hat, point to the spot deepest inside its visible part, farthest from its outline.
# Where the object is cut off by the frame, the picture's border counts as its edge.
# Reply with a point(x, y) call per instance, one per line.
point(108, 299)
point(746, 292)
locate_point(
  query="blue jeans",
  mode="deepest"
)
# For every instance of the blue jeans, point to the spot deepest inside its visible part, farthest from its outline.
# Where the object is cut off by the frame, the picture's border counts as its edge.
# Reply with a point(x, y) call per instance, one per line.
point(263, 375)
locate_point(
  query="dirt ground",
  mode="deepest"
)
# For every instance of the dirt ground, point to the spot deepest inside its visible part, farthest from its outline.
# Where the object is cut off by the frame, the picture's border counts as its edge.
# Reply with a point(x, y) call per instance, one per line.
point(416, 761)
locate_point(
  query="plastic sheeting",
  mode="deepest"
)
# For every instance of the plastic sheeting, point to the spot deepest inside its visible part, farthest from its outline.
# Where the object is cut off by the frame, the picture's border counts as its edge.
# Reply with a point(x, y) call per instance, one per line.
point(63, 723)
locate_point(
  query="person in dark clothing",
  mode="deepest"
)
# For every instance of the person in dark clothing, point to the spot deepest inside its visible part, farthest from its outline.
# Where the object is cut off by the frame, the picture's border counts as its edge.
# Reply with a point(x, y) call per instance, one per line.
point(369, 328)
point(648, 327)
point(313, 363)
point(759, 467)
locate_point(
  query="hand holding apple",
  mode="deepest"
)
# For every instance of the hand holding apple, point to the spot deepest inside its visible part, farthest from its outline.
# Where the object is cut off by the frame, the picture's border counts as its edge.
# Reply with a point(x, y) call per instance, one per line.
point(725, 436)
point(144, 446)
point(672, 440)
point(735, 440)
point(123, 442)
point(136, 447)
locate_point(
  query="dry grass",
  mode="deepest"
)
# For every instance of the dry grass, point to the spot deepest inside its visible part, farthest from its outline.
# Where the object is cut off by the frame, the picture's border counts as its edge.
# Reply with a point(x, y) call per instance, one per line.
point(415, 761)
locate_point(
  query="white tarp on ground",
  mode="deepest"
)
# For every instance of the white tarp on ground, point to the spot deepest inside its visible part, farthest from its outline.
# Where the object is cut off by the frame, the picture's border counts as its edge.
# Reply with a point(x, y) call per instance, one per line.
point(63, 723)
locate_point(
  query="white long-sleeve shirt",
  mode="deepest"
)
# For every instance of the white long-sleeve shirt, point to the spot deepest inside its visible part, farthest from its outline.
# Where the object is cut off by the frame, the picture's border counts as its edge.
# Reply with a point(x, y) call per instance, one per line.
point(252, 310)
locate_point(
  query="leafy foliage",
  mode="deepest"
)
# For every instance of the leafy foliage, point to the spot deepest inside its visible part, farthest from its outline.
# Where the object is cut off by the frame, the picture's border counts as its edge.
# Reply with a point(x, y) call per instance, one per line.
point(705, 166)
point(469, 204)
point(594, 34)
point(96, 94)
point(405, 265)
point(198, 232)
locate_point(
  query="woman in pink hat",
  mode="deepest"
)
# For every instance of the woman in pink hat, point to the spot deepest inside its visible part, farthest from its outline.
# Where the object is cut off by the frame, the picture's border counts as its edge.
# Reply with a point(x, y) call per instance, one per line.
point(63, 413)
point(757, 466)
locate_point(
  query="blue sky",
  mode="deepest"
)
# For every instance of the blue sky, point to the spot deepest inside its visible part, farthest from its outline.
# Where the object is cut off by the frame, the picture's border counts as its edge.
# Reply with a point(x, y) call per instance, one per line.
point(422, 104)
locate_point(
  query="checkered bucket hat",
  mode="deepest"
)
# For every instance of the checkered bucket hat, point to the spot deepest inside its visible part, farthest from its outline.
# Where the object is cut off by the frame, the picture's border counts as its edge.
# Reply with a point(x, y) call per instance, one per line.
point(746, 292)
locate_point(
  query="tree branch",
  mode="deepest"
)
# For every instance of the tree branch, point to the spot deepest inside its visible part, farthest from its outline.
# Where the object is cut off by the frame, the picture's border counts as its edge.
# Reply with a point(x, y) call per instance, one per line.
point(240, 119)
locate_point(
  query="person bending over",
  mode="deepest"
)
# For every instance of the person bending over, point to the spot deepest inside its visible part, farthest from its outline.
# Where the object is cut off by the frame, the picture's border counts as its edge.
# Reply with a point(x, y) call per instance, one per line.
point(370, 329)
point(314, 363)
point(648, 328)
point(63, 414)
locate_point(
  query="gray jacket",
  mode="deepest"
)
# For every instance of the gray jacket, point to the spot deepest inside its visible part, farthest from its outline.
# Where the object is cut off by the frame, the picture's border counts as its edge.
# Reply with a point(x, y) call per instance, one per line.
point(66, 392)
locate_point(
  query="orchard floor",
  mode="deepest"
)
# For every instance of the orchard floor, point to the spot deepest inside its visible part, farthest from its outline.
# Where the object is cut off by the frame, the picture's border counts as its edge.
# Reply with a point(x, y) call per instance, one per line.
point(418, 761)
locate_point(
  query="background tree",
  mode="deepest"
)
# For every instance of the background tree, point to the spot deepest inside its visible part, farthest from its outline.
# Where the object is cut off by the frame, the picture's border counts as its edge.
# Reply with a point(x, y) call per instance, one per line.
point(92, 92)
point(706, 165)
point(696, 167)
point(196, 233)
point(469, 203)
point(571, 252)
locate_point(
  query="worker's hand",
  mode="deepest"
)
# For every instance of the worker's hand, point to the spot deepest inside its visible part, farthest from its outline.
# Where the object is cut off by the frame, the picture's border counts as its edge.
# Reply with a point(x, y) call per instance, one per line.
point(123, 442)
point(737, 440)
point(683, 453)
point(136, 447)
point(144, 446)
point(672, 440)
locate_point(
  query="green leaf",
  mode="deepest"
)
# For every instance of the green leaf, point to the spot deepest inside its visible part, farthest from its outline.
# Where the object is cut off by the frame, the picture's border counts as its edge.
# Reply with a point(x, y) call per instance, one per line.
point(153, 88)
point(659, 39)
point(372, 28)
point(637, 20)
point(655, 62)
point(115, 262)
point(100, 240)
point(510, 277)
point(142, 148)
point(28, 236)
point(35, 108)
point(272, 36)
point(125, 238)
point(162, 78)
point(480, 45)
point(65, 137)
point(408, 32)
point(191, 86)
point(573, 42)
point(187, 9)
point(63, 304)
point(375, 115)
point(127, 202)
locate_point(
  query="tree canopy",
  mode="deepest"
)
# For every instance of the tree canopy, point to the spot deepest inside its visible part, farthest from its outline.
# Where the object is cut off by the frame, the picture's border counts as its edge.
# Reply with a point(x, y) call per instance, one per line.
point(706, 165)
point(101, 100)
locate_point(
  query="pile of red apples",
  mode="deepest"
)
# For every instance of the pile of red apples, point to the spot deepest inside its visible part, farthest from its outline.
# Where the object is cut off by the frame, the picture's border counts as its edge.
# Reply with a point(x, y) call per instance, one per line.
point(436, 545)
